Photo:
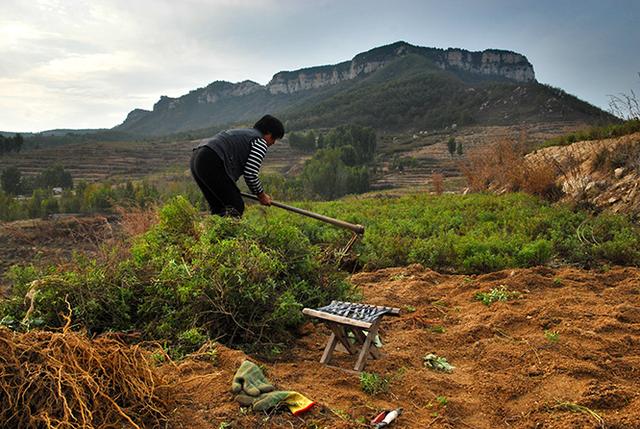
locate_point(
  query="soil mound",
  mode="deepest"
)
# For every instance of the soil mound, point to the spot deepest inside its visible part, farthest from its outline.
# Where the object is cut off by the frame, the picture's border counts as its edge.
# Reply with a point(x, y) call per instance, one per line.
point(604, 174)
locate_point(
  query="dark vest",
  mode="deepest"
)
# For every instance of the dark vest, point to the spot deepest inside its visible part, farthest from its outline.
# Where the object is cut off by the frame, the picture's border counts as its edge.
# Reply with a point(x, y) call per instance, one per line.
point(233, 147)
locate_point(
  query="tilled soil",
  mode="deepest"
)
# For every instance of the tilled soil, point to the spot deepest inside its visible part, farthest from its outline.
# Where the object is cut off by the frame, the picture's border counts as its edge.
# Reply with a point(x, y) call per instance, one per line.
point(52, 241)
point(565, 354)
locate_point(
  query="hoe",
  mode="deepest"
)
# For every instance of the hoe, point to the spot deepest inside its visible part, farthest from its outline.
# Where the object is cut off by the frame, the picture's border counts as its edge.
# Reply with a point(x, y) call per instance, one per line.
point(356, 229)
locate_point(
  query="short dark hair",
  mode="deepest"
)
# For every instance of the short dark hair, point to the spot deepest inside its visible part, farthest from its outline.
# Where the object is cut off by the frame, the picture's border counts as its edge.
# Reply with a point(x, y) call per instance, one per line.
point(270, 125)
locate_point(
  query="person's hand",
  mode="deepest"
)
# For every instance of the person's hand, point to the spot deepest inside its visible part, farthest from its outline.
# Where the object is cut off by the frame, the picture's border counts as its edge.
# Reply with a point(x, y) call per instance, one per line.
point(265, 199)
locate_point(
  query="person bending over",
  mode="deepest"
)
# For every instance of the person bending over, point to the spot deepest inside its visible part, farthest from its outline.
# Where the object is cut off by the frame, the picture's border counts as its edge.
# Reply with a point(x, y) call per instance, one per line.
point(217, 163)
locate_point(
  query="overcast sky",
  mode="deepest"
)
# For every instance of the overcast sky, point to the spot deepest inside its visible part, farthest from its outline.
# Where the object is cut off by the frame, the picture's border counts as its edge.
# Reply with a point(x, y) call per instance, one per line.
point(86, 64)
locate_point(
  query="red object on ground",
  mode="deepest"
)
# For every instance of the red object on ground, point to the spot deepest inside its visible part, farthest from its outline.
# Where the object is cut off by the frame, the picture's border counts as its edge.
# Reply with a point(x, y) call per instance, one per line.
point(379, 417)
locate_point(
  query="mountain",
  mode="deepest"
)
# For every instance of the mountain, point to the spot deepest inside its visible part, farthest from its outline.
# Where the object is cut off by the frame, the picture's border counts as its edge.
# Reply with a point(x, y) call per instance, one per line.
point(392, 87)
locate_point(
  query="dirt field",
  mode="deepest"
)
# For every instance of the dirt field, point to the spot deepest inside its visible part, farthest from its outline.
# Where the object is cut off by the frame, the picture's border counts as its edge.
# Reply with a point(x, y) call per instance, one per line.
point(49, 242)
point(568, 346)
point(508, 372)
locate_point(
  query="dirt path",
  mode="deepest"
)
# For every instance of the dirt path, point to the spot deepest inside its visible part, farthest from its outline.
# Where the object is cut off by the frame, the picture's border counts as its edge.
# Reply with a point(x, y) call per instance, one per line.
point(508, 373)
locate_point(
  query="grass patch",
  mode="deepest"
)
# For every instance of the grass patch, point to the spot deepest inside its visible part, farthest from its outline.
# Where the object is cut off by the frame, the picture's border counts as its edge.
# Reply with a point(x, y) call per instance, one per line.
point(596, 133)
point(438, 329)
point(552, 336)
point(474, 233)
point(500, 293)
point(576, 408)
point(373, 384)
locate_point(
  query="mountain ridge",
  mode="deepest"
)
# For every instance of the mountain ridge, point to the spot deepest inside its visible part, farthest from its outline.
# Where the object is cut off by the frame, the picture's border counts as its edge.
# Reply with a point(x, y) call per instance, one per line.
point(223, 102)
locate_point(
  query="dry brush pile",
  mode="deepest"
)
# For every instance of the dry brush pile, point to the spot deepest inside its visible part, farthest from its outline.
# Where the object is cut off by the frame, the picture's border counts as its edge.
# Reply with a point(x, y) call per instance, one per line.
point(64, 380)
point(502, 167)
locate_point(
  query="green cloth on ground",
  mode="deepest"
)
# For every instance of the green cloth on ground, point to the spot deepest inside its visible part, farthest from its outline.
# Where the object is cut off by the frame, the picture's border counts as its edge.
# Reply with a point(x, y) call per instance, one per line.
point(250, 379)
point(253, 389)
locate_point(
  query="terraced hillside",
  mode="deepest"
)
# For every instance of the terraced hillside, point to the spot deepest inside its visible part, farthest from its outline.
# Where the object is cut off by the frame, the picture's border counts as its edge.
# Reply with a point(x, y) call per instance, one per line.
point(430, 153)
point(127, 160)
point(136, 160)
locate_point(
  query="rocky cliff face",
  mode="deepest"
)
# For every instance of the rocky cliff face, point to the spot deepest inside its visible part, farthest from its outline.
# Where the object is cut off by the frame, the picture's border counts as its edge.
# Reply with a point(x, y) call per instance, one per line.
point(136, 115)
point(491, 62)
point(318, 77)
point(222, 102)
point(209, 95)
point(220, 89)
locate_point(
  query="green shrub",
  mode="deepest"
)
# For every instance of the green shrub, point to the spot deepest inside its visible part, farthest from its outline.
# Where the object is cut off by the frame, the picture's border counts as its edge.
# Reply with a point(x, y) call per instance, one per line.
point(93, 293)
point(188, 280)
point(470, 234)
point(535, 253)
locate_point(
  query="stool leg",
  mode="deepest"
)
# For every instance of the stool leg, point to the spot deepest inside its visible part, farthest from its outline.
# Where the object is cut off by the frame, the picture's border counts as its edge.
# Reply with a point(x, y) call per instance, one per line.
point(328, 350)
point(364, 353)
point(361, 338)
point(341, 335)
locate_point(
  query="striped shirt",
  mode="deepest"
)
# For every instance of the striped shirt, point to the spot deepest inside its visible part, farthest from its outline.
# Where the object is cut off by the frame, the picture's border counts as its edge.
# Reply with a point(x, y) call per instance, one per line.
point(252, 167)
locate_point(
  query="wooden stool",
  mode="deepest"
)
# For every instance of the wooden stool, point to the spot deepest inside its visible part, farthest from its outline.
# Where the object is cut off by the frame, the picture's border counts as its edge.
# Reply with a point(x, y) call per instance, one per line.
point(348, 317)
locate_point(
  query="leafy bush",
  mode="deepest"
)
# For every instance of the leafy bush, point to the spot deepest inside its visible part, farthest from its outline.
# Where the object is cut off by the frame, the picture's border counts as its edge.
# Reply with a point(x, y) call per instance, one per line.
point(188, 280)
point(534, 253)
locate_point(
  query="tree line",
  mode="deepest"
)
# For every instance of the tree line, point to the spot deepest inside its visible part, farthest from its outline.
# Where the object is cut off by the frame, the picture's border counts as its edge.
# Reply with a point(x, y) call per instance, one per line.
point(14, 183)
point(339, 165)
point(11, 144)
point(38, 199)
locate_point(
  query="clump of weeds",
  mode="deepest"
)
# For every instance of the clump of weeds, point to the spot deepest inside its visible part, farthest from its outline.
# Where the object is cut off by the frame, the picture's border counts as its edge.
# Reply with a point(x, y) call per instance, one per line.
point(373, 384)
point(500, 293)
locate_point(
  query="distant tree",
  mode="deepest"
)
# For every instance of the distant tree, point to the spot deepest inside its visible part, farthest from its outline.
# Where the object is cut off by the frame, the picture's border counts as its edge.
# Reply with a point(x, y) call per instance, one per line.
point(10, 180)
point(459, 151)
point(327, 176)
point(310, 141)
point(348, 155)
point(13, 144)
point(18, 141)
point(362, 139)
point(35, 203)
point(303, 141)
point(49, 206)
point(451, 145)
point(55, 176)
